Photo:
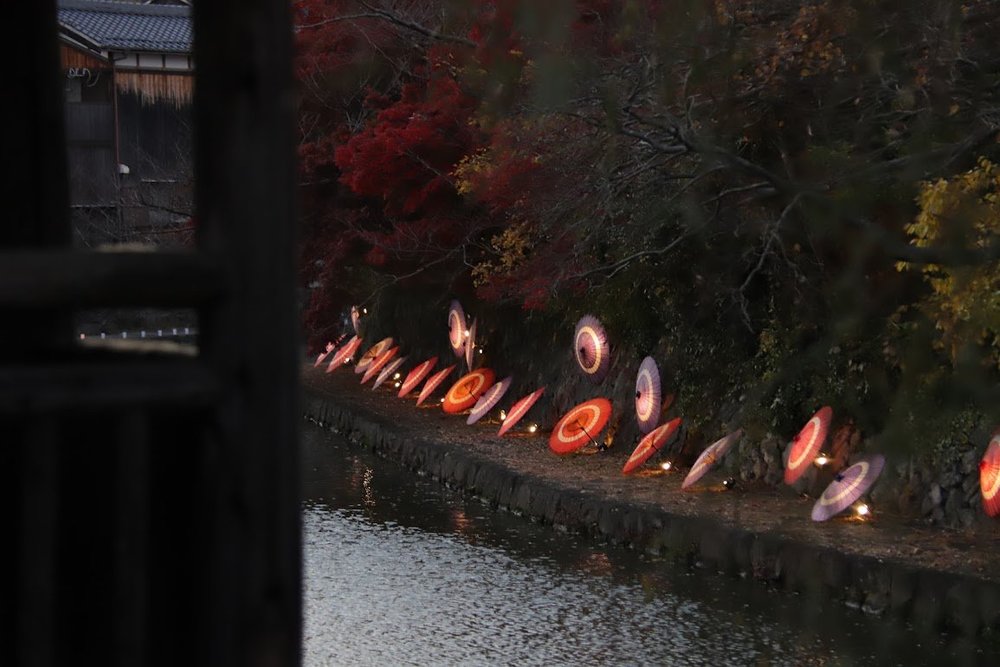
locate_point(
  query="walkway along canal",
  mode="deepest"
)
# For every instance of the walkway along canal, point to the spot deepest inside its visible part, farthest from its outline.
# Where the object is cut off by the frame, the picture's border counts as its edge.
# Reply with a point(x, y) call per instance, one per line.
point(929, 579)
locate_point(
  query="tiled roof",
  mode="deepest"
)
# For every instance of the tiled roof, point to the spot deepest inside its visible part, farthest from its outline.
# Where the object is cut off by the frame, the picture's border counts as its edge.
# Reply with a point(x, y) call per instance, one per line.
point(122, 26)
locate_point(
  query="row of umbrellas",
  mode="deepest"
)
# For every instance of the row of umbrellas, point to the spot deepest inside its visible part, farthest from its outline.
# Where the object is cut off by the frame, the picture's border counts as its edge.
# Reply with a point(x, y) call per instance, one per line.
point(477, 393)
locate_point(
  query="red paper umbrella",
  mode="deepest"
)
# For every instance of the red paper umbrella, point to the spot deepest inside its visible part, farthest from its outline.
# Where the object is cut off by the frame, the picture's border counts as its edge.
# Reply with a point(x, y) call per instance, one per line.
point(356, 319)
point(849, 485)
point(590, 345)
point(416, 375)
point(456, 328)
point(433, 382)
point(464, 393)
point(712, 455)
point(519, 409)
point(341, 356)
point(372, 354)
point(322, 355)
point(807, 443)
point(647, 395)
point(651, 444)
point(470, 346)
point(580, 425)
point(378, 363)
point(389, 369)
point(489, 399)
point(989, 476)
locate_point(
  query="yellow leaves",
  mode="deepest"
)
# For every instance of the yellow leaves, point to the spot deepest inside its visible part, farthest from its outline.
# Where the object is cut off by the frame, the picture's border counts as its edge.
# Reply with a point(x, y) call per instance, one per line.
point(468, 168)
point(511, 248)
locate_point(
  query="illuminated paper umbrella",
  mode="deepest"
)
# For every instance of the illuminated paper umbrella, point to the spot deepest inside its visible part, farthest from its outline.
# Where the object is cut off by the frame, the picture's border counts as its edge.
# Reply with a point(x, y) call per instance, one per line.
point(372, 354)
point(322, 355)
point(849, 485)
point(379, 362)
point(464, 393)
point(580, 425)
point(456, 328)
point(489, 399)
point(416, 375)
point(590, 345)
point(341, 356)
point(470, 346)
point(712, 455)
point(387, 371)
point(647, 395)
point(989, 476)
point(519, 409)
point(650, 444)
point(807, 444)
point(356, 319)
point(433, 382)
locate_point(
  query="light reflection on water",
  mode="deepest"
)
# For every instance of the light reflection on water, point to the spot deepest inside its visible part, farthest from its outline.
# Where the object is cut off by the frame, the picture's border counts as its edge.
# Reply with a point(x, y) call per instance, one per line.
point(401, 571)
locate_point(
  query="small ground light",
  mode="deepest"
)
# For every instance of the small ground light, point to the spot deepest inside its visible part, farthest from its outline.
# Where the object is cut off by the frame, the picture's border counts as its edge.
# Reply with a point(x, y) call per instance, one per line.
point(364, 311)
point(666, 465)
point(532, 428)
point(503, 415)
point(465, 333)
point(82, 336)
point(397, 376)
point(442, 400)
point(862, 509)
point(398, 384)
point(822, 460)
point(729, 483)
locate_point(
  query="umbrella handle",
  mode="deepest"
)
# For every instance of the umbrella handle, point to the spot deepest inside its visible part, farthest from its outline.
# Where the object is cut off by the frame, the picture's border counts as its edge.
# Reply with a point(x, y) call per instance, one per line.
point(584, 429)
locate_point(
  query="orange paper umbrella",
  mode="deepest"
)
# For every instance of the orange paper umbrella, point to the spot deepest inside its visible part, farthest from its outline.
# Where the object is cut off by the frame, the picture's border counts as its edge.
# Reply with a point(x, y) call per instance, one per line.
point(356, 319)
point(381, 360)
point(647, 395)
point(590, 345)
point(712, 455)
point(372, 354)
point(849, 485)
point(322, 355)
point(416, 375)
point(456, 328)
point(519, 409)
point(389, 369)
point(470, 346)
point(989, 476)
point(807, 444)
point(341, 356)
point(464, 393)
point(433, 382)
point(580, 425)
point(488, 400)
point(650, 444)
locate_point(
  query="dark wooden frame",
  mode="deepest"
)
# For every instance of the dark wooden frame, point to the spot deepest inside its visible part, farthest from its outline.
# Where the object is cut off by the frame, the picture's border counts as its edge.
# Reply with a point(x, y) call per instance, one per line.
point(152, 498)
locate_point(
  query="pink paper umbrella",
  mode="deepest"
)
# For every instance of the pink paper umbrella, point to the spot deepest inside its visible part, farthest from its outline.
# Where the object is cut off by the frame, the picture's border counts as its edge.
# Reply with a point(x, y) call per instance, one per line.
point(489, 399)
point(989, 476)
point(849, 485)
point(807, 444)
point(651, 444)
point(456, 328)
point(322, 355)
point(590, 346)
point(647, 395)
point(390, 368)
point(470, 346)
point(433, 382)
point(416, 376)
point(519, 409)
point(341, 356)
point(712, 455)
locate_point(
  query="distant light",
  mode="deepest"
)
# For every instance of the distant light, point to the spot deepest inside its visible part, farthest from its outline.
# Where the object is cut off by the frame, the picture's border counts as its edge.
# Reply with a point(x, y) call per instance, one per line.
point(82, 336)
point(822, 460)
point(666, 465)
point(503, 415)
point(480, 350)
point(364, 311)
point(532, 428)
point(862, 509)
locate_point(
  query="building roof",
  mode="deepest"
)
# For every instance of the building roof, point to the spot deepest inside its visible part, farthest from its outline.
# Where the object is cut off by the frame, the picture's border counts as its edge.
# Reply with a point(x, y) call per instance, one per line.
point(123, 26)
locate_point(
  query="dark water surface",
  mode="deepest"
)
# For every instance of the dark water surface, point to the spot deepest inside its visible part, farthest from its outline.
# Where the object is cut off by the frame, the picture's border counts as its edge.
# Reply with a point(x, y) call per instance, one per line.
point(400, 570)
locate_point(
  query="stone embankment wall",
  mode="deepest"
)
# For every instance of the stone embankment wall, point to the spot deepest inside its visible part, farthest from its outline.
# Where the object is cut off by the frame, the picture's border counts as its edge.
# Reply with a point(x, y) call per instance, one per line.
point(933, 598)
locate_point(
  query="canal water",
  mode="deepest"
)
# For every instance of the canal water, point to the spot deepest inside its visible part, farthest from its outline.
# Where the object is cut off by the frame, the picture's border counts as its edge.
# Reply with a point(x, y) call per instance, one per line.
point(400, 570)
